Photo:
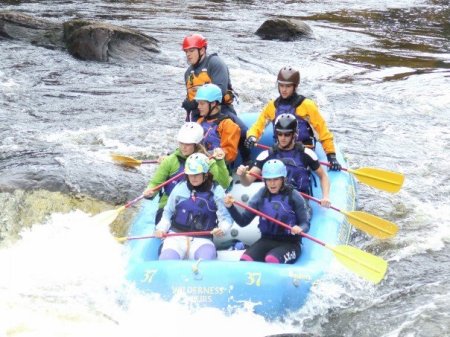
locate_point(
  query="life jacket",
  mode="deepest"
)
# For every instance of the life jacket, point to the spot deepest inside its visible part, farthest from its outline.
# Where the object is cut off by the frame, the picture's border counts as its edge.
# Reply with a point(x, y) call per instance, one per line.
point(305, 133)
point(279, 206)
point(298, 174)
point(169, 187)
point(198, 212)
point(195, 81)
point(211, 138)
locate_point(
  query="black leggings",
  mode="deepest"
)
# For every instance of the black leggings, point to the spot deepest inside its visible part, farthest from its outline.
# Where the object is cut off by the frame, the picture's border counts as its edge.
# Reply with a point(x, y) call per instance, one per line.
point(274, 251)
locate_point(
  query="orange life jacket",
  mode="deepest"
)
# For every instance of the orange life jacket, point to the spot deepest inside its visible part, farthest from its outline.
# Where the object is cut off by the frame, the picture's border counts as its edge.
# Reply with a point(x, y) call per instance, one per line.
point(195, 81)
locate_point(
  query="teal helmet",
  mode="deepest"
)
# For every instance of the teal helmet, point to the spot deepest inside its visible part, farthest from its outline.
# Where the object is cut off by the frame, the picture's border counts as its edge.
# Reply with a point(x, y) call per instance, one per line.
point(274, 168)
point(196, 163)
point(209, 92)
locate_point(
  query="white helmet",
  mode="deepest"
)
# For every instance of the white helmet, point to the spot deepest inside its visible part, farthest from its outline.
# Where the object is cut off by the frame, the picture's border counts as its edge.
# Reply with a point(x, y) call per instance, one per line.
point(190, 133)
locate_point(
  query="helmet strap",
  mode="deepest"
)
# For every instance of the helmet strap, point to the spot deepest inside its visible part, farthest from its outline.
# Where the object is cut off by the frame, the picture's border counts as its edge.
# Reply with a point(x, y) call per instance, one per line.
point(200, 57)
point(210, 109)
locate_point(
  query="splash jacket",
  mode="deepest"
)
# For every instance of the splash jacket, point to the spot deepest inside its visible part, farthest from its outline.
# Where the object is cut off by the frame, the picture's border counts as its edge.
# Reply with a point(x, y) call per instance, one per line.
point(210, 70)
point(307, 113)
point(174, 164)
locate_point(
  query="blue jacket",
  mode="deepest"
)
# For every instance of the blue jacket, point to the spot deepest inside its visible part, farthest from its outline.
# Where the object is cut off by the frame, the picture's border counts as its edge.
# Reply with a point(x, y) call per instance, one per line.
point(244, 218)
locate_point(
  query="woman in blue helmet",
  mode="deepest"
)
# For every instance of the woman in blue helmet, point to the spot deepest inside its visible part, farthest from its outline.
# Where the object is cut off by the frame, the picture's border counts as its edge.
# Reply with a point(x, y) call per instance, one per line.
point(219, 129)
point(282, 202)
point(195, 204)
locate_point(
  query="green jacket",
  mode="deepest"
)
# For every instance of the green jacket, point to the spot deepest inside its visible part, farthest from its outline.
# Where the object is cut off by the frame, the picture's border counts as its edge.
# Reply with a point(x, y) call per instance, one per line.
point(171, 164)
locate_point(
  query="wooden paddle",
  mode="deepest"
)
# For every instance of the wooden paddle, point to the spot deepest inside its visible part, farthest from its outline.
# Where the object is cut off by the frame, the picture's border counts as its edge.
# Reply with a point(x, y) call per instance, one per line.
point(366, 265)
point(107, 217)
point(130, 161)
point(384, 180)
point(365, 222)
point(129, 238)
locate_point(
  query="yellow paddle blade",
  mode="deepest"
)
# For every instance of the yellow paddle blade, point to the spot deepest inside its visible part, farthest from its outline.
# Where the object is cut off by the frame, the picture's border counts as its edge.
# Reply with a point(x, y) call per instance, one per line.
point(125, 160)
point(106, 218)
point(388, 181)
point(367, 266)
point(371, 224)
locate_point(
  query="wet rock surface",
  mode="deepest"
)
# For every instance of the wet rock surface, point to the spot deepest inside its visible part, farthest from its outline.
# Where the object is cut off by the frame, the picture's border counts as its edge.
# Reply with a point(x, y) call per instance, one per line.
point(85, 40)
point(284, 30)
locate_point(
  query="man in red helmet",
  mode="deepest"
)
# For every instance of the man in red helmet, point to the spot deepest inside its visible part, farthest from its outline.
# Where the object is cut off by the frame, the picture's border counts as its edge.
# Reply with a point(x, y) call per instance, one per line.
point(205, 69)
point(310, 121)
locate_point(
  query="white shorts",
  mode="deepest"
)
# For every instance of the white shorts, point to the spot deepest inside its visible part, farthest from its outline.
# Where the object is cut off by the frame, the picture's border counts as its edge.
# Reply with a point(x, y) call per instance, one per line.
point(185, 246)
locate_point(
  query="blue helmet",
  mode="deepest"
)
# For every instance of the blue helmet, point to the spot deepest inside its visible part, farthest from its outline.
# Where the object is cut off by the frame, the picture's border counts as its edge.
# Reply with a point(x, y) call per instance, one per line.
point(196, 163)
point(274, 168)
point(209, 92)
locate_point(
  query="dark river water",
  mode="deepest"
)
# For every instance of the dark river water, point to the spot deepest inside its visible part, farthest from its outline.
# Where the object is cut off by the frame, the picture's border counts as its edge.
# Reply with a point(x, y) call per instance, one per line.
point(380, 73)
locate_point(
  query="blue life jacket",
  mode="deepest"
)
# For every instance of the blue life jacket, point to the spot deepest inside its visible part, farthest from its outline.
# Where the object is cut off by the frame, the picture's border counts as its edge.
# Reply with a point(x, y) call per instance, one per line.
point(198, 212)
point(211, 138)
point(280, 207)
point(305, 133)
point(297, 173)
point(169, 187)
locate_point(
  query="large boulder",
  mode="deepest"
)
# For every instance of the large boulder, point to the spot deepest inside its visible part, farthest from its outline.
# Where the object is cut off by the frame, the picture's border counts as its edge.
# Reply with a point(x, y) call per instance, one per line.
point(97, 41)
point(283, 29)
point(43, 33)
point(86, 40)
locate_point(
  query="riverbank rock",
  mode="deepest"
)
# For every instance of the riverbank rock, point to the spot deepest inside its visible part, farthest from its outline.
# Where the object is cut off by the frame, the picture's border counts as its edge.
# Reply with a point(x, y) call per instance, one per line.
point(284, 30)
point(42, 33)
point(97, 41)
point(84, 39)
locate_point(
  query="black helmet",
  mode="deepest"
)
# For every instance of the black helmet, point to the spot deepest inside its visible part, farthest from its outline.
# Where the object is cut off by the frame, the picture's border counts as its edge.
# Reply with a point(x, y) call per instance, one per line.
point(286, 123)
point(288, 75)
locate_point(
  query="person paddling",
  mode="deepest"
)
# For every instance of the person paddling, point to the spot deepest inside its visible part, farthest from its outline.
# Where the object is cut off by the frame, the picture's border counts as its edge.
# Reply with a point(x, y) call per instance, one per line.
point(195, 204)
point(189, 138)
point(310, 121)
point(300, 161)
point(280, 201)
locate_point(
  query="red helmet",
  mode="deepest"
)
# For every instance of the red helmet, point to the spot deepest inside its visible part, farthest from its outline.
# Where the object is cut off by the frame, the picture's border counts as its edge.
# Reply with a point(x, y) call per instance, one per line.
point(194, 41)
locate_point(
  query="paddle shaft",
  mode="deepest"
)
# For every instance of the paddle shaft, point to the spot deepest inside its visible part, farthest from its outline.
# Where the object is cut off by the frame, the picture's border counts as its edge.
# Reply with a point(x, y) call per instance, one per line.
point(366, 222)
point(132, 202)
point(130, 161)
point(278, 222)
point(129, 238)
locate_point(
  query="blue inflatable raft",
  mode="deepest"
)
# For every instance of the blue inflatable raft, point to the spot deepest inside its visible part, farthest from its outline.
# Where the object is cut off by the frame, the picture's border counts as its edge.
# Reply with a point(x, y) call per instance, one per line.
point(270, 289)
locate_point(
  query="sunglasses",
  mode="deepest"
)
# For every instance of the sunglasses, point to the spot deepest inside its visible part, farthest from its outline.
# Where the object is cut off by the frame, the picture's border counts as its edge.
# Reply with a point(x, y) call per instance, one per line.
point(285, 134)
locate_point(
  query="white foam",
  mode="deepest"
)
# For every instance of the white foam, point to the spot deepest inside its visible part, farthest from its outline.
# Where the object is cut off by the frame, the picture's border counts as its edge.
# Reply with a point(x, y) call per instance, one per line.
point(66, 277)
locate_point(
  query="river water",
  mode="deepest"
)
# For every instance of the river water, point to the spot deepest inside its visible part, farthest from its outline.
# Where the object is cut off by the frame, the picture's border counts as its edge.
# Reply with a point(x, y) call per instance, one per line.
point(379, 71)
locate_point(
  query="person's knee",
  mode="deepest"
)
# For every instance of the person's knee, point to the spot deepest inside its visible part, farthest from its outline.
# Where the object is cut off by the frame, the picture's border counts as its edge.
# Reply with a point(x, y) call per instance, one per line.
point(169, 254)
point(271, 259)
point(246, 257)
point(206, 252)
